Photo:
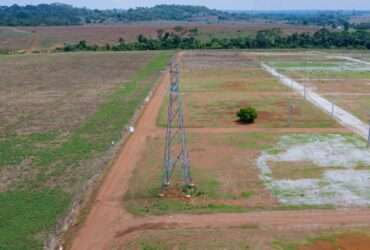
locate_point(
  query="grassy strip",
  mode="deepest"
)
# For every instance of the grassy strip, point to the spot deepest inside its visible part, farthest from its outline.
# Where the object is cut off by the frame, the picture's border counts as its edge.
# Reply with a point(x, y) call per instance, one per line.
point(145, 200)
point(163, 206)
point(24, 214)
point(34, 205)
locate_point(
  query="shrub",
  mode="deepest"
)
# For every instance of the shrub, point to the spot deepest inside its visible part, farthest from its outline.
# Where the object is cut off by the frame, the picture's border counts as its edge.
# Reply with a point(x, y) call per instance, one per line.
point(247, 115)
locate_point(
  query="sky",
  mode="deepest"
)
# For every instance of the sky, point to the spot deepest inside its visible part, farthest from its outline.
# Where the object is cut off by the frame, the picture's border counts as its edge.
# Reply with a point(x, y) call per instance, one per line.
point(217, 4)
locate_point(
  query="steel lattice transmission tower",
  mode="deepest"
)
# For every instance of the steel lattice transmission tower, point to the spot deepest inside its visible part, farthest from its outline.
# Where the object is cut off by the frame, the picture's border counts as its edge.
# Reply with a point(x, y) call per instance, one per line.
point(176, 153)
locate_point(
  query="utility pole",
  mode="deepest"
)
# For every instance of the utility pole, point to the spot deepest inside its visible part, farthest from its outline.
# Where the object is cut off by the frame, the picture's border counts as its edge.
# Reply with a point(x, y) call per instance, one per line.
point(176, 152)
point(290, 112)
point(368, 137)
point(332, 108)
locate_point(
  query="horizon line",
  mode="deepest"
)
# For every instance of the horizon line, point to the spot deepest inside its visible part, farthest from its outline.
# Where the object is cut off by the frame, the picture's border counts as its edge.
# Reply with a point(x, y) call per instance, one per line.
point(227, 10)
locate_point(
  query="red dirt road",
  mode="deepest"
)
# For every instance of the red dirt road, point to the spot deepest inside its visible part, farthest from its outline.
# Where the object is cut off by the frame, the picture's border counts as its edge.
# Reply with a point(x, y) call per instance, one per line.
point(299, 219)
point(108, 224)
point(107, 213)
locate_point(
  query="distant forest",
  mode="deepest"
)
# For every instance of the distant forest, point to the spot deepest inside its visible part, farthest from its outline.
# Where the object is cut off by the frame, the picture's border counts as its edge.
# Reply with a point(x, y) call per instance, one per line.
point(62, 14)
point(265, 39)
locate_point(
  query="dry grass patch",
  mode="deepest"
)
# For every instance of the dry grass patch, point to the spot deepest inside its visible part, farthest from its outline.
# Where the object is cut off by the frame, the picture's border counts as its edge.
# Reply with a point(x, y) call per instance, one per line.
point(12, 38)
point(223, 169)
point(58, 91)
point(295, 170)
point(357, 105)
point(249, 79)
point(340, 86)
point(198, 239)
point(213, 109)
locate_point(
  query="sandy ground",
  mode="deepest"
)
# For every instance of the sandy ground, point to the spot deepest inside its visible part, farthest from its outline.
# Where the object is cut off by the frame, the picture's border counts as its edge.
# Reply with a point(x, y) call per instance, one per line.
point(108, 224)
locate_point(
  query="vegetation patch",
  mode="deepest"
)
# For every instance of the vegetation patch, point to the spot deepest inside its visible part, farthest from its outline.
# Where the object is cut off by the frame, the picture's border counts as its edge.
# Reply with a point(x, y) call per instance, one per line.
point(247, 115)
point(24, 215)
point(162, 206)
point(247, 194)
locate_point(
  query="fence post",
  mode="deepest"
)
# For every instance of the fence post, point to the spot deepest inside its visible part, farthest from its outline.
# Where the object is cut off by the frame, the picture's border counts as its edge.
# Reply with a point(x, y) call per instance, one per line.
point(332, 108)
point(368, 137)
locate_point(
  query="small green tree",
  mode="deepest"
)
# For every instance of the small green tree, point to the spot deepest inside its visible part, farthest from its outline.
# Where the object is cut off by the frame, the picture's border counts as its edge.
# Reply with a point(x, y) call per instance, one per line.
point(247, 115)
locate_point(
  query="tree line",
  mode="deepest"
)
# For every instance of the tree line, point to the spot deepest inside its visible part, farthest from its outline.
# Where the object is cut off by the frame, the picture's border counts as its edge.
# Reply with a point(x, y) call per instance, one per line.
point(265, 39)
point(63, 14)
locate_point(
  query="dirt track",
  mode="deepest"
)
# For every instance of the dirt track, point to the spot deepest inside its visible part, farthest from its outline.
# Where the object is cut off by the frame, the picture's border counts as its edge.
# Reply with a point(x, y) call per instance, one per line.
point(108, 224)
point(107, 213)
point(282, 220)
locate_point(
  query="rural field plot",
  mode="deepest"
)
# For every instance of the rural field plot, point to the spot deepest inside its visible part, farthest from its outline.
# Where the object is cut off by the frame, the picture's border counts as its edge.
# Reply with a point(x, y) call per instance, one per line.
point(215, 88)
point(237, 170)
point(61, 116)
point(227, 181)
point(344, 82)
point(311, 165)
